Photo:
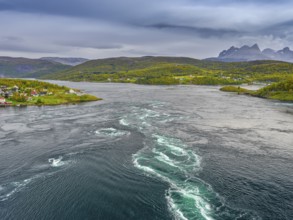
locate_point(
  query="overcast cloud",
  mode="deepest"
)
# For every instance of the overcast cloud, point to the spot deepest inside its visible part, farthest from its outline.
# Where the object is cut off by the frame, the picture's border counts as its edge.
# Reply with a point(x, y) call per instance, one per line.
point(110, 28)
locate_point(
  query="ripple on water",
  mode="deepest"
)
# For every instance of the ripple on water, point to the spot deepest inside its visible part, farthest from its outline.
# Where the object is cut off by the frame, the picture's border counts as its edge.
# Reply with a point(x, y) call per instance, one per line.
point(9, 189)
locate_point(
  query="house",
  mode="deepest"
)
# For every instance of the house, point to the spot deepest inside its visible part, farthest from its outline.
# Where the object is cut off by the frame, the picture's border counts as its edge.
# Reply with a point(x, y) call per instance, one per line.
point(15, 89)
point(7, 94)
point(42, 93)
point(34, 93)
point(71, 91)
point(2, 100)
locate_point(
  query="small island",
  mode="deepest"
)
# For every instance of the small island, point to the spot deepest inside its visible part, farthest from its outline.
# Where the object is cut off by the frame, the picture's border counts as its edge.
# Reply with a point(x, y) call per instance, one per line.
point(282, 90)
point(18, 92)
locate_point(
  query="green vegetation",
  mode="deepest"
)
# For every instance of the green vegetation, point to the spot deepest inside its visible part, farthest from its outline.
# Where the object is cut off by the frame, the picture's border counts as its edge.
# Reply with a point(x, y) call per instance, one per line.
point(282, 91)
point(175, 70)
point(238, 89)
point(31, 92)
point(28, 68)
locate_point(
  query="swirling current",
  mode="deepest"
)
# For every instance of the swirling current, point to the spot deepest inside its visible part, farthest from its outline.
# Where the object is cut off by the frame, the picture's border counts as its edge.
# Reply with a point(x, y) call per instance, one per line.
point(148, 152)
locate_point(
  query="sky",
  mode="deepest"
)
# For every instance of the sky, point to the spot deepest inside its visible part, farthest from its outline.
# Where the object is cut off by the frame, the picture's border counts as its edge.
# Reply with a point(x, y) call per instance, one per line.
point(112, 28)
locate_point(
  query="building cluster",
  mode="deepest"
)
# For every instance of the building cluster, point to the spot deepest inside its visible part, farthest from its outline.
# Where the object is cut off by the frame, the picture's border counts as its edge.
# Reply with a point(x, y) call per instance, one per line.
point(8, 93)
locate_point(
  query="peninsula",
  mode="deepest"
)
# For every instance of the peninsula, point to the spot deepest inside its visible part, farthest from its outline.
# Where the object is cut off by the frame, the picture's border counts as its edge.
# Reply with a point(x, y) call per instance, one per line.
point(282, 91)
point(18, 92)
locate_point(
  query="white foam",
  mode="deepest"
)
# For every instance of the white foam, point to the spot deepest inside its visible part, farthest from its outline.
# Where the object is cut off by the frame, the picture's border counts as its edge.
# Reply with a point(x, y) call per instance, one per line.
point(123, 122)
point(111, 132)
point(168, 143)
point(173, 209)
point(147, 113)
point(149, 170)
point(16, 187)
point(164, 158)
point(56, 162)
point(193, 193)
point(185, 189)
point(144, 168)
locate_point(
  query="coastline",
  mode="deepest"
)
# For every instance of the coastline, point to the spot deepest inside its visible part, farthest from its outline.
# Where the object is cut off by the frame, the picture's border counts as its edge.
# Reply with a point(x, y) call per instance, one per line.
point(21, 93)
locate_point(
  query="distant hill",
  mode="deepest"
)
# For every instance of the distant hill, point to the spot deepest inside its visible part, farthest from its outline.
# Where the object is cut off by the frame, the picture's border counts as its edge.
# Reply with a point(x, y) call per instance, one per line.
point(72, 61)
point(120, 64)
point(28, 68)
point(175, 70)
point(246, 53)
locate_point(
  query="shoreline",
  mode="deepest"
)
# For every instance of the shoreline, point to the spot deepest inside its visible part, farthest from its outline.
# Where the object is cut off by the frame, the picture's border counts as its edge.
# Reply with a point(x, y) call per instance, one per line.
point(40, 105)
point(21, 93)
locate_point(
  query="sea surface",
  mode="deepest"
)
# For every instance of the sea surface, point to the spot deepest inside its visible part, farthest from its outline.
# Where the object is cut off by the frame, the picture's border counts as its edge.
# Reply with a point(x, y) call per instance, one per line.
point(148, 152)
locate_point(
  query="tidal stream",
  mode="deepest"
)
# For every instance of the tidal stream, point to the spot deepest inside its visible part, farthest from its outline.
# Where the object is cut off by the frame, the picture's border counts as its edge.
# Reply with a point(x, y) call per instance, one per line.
point(148, 152)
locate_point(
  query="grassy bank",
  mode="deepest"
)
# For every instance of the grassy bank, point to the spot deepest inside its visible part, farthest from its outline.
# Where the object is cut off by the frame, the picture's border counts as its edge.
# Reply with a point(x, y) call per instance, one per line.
point(282, 91)
point(29, 92)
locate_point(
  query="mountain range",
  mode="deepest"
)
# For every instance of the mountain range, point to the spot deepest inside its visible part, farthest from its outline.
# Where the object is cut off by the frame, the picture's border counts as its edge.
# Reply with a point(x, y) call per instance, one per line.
point(246, 53)
point(78, 68)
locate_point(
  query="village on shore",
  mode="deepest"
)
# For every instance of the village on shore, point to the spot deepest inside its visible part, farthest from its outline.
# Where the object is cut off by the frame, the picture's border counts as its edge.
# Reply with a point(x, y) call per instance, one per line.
point(11, 95)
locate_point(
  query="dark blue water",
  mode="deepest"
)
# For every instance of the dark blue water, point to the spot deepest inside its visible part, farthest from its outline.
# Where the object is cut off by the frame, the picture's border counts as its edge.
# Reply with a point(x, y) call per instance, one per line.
point(148, 152)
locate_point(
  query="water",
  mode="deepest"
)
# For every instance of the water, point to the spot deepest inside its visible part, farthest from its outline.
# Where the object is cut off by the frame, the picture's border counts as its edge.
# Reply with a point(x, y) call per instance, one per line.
point(148, 152)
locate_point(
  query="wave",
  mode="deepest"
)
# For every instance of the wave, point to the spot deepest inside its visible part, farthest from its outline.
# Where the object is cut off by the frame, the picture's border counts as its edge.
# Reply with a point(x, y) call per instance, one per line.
point(188, 197)
point(165, 159)
point(56, 162)
point(112, 132)
point(8, 190)
point(123, 122)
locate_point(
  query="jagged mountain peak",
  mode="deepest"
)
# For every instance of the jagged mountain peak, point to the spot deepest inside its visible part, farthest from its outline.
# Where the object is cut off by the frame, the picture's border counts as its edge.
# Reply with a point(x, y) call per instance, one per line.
point(249, 53)
point(256, 47)
point(244, 47)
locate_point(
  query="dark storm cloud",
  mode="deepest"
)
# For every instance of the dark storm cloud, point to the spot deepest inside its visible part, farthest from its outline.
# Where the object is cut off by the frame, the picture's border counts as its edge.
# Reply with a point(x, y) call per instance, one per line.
point(202, 32)
point(281, 30)
point(90, 44)
point(95, 28)
point(130, 11)
point(25, 48)
point(110, 9)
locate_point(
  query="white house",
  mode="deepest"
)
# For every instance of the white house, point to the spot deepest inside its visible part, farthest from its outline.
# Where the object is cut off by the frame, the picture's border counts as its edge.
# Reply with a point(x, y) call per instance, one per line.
point(71, 91)
point(2, 100)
